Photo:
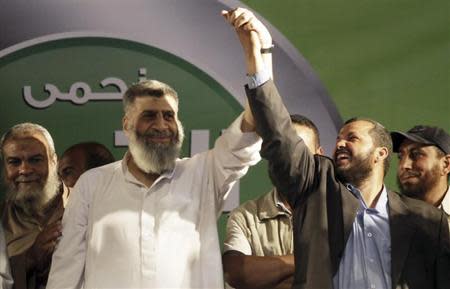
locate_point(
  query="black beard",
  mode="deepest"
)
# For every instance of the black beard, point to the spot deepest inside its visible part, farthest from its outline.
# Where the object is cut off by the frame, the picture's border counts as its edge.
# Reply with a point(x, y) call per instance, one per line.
point(357, 172)
point(426, 183)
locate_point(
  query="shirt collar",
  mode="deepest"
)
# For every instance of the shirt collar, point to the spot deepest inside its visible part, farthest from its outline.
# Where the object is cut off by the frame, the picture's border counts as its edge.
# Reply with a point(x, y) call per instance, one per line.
point(382, 202)
point(132, 179)
point(270, 206)
point(445, 205)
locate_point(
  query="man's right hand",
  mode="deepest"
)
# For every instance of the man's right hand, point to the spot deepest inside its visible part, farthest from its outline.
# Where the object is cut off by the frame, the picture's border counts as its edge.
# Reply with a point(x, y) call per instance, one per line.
point(39, 254)
point(253, 36)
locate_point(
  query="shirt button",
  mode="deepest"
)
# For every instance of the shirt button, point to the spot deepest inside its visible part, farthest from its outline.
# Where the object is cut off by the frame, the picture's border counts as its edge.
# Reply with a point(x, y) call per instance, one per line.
point(371, 260)
point(146, 235)
point(369, 235)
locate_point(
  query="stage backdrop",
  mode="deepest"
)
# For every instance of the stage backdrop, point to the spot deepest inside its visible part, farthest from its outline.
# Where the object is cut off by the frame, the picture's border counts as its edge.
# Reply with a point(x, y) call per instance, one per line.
point(65, 64)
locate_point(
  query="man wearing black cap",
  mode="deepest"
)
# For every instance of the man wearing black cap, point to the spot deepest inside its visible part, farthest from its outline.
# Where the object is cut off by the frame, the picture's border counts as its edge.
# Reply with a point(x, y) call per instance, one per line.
point(424, 164)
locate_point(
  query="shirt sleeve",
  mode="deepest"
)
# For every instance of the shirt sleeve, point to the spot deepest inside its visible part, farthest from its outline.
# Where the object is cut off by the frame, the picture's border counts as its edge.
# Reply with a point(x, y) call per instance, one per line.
point(258, 79)
point(5, 272)
point(236, 235)
point(67, 270)
point(233, 153)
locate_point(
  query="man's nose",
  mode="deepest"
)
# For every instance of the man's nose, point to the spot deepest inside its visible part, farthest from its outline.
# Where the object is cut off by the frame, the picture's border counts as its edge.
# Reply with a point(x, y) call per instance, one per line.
point(25, 168)
point(405, 163)
point(160, 123)
point(340, 143)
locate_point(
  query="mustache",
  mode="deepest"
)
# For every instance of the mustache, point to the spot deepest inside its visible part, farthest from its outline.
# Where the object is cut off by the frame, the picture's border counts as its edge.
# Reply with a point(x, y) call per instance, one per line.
point(23, 178)
point(409, 174)
point(158, 133)
point(342, 150)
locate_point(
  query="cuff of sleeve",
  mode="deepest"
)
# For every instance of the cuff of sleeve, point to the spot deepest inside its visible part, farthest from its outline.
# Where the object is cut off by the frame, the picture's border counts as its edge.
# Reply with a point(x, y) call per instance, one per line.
point(258, 78)
point(239, 139)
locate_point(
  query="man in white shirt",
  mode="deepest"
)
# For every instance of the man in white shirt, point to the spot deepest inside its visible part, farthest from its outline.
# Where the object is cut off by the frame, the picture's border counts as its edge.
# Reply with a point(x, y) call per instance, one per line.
point(149, 220)
point(424, 165)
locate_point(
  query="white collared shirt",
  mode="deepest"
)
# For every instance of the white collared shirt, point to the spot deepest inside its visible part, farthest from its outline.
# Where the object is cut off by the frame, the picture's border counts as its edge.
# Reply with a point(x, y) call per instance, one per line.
point(117, 233)
point(445, 204)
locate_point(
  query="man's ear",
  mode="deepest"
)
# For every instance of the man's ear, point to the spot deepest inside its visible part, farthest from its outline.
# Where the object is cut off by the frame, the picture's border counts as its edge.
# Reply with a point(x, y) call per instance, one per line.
point(54, 159)
point(126, 124)
point(381, 154)
point(446, 164)
point(320, 151)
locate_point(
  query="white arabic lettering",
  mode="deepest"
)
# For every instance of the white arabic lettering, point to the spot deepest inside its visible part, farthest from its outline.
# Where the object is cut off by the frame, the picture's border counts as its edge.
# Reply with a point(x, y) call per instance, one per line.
point(80, 92)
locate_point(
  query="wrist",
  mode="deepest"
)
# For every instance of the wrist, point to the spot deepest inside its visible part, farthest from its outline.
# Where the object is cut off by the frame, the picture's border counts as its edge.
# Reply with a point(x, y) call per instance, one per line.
point(266, 49)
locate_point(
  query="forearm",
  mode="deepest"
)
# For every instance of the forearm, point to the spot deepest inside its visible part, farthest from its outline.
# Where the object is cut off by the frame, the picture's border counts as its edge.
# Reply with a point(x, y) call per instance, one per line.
point(18, 270)
point(257, 272)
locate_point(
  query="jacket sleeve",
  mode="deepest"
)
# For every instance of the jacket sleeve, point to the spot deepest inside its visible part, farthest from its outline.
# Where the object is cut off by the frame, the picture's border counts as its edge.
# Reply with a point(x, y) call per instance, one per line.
point(443, 261)
point(292, 167)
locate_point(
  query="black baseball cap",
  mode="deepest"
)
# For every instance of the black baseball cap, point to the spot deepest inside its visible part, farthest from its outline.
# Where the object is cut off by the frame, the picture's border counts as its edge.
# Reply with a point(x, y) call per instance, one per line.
point(430, 135)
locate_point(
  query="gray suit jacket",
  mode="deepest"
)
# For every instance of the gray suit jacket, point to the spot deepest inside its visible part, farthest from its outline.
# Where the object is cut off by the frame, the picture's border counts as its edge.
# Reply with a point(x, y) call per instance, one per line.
point(324, 210)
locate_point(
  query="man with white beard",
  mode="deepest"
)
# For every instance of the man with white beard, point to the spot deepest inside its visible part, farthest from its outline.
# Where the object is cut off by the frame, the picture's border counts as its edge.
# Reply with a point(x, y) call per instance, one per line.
point(150, 220)
point(34, 203)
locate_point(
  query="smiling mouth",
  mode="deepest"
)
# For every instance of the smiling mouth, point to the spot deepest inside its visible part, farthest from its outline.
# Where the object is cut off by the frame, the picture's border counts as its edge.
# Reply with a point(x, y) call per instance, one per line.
point(408, 177)
point(159, 139)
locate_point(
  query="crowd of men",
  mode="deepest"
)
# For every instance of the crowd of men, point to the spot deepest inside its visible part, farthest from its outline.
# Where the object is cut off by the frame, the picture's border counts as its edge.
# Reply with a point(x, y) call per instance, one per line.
point(149, 220)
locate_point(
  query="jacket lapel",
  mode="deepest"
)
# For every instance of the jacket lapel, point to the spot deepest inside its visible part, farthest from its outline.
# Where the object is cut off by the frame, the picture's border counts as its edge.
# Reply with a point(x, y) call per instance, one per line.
point(339, 232)
point(402, 229)
point(350, 205)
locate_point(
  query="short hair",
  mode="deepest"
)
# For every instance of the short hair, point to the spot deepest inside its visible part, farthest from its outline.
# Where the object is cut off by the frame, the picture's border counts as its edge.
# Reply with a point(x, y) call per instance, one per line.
point(380, 137)
point(304, 121)
point(147, 88)
point(440, 154)
point(96, 154)
point(27, 129)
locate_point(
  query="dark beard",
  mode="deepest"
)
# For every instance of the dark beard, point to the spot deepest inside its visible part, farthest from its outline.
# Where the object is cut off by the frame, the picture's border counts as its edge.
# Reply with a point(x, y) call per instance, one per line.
point(426, 183)
point(357, 172)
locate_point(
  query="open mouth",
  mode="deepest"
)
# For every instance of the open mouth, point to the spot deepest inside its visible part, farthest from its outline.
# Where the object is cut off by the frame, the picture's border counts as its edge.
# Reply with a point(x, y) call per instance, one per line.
point(342, 156)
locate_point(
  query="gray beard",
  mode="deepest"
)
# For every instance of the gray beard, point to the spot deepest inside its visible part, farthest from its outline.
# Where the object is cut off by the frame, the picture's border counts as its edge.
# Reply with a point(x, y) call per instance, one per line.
point(33, 202)
point(152, 157)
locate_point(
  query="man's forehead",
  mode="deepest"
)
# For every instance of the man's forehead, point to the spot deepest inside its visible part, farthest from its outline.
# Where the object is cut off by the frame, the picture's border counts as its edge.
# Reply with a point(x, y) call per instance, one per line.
point(27, 138)
point(76, 156)
point(15, 147)
point(408, 145)
point(165, 102)
point(357, 126)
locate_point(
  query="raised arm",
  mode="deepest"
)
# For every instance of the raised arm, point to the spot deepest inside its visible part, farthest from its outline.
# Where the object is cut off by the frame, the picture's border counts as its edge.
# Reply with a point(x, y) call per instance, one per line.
point(291, 165)
point(251, 31)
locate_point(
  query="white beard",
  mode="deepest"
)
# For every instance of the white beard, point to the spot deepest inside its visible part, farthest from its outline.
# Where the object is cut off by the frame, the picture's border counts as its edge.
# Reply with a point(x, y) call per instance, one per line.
point(33, 201)
point(155, 158)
